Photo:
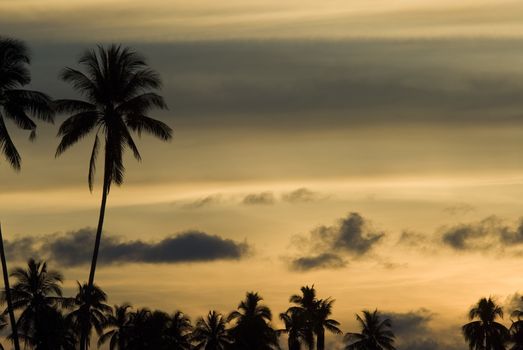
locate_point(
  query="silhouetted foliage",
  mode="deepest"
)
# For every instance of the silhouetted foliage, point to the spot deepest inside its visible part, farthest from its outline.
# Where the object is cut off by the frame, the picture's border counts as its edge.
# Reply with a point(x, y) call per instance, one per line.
point(89, 313)
point(210, 333)
point(252, 329)
point(17, 104)
point(376, 333)
point(484, 333)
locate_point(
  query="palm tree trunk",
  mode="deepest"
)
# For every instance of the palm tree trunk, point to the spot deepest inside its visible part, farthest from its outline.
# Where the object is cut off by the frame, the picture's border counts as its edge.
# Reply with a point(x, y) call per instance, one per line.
point(99, 231)
point(320, 340)
point(8, 294)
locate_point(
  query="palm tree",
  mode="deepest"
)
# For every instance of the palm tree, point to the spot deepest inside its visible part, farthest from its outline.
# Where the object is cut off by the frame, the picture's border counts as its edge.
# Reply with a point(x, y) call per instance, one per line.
point(252, 329)
point(210, 333)
point(117, 87)
point(485, 333)
point(118, 322)
point(322, 322)
point(376, 333)
point(37, 293)
point(17, 104)
point(306, 305)
point(89, 313)
point(178, 332)
point(294, 328)
point(137, 338)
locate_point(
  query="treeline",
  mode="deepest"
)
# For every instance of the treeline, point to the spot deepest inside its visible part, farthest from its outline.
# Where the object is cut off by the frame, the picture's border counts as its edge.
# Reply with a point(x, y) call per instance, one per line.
point(48, 320)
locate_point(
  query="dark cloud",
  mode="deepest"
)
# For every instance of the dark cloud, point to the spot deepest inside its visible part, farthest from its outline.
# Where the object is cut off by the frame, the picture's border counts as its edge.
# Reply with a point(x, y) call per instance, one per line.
point(488, 233)
point(406, 325)
point(413, 332)
point(75, 248)
point(263, 198)
point(322, 261)
point(204, 202)
point(329, 245)
point(300, 195)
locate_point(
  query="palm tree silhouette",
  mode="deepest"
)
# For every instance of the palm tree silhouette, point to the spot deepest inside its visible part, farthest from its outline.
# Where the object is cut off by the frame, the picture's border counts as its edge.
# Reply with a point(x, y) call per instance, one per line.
point(116, 87)
point(38, 294)
point(485, 333)
point(178, 332)
point(118, 322)
point(252, 329)
point(322, 322)
point(376, 333)
point(306, 305)
point(137, 336)
point(294, 328)
point(89, 313)
point(17, 104)
point(210, 333)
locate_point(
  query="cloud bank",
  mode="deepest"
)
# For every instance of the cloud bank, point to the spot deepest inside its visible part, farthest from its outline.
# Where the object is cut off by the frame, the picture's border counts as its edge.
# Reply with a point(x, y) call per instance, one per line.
point(75, 248)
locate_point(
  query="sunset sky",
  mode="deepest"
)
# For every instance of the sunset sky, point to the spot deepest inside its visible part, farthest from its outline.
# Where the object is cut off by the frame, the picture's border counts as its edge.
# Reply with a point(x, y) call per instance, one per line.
point(372, 148)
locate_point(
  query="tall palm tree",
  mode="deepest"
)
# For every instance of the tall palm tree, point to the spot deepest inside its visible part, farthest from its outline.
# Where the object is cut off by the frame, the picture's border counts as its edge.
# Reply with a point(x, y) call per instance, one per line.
point(484, 332)
point(210, 333)
point(178, 332)
point(117, 86)
point(17, 105)
point(322, 322)
point(118, 322)
point(89, 313)
point(37, 294)
point(252, 329)
point(376, 333)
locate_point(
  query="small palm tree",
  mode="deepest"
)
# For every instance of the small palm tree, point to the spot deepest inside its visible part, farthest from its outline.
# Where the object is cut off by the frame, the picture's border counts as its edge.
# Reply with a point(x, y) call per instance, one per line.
point(306, 305)
point(376, 333)
point(322, 322)
point(89, 313)
point(484, 332)
point(178, 332)
point(118, 322)
point(37, 294)
point(210, 333)
point(117, 89)
point(294, 328)
point(252, 329)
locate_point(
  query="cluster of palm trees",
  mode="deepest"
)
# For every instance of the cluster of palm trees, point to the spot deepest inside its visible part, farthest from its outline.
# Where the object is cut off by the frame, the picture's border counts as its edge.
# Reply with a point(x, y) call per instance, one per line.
point(48, 320)
point(118, 90)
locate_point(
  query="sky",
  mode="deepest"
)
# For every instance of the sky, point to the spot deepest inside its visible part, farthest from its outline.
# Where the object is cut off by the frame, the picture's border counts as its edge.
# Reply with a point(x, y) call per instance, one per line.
point(371, 148)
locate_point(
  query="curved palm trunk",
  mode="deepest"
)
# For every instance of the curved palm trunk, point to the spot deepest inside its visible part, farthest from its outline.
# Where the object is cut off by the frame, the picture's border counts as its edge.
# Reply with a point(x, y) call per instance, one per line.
point(8, 294)
point(98, 232)
point(105, 192)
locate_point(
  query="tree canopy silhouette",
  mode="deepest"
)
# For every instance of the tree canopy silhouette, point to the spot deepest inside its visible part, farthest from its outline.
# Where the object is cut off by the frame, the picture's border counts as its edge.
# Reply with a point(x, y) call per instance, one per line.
point(376, 333)
point(484, 332)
